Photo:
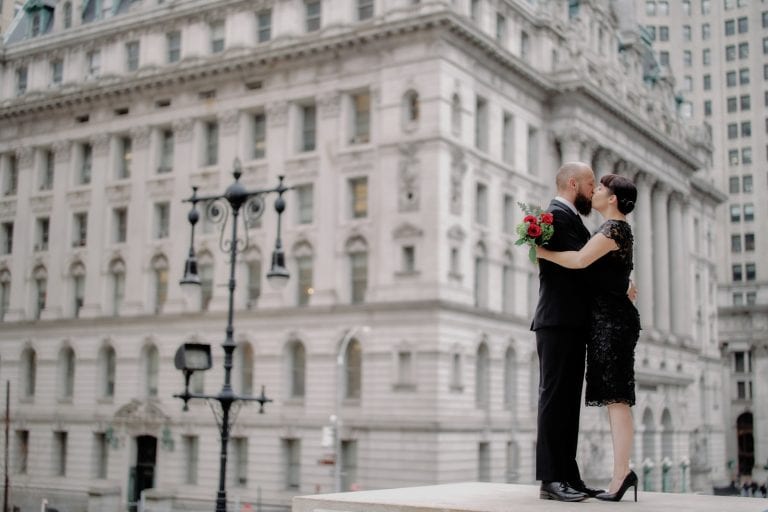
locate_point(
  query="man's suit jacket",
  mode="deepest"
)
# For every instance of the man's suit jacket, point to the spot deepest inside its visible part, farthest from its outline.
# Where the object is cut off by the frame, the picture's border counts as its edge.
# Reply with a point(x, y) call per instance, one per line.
point(563, 293)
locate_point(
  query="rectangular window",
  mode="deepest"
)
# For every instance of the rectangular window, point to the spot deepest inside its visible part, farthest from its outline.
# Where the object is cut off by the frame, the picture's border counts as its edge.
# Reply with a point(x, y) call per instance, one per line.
point(484, 461)
point(211, 143)
point(508, 224)
point(741, 390)
point(743, 25)
point(747, 183)
point(21, 80)
point(707, 108)
point(664, 58)
point(305, 203)
point(706, 56)
point(744, 76)
point(120, 219)
point(650, 8)
point(663, 33)
point(733, 130)
point(730, 27)
point(359, 276)
point(7, 237)
point(166, 151)
point(259, 135)
point(508, 139)
point(405, 368)
point(216, 30)
point(749, 242)
point(43, 234)
point(100, 455)
point(292, 463)
point(93, 61)
point(254, 282)
point(78, 295)
point(746, 129)
point(80, 234)
point(746, 155)
point(736, 272)
point(408, 259)
point(765, 46)
point(733, 156)
point(730, 79)
point(190, 459)
point(46, 180)
point(364, 9)
point(348, 464)
point(730, 52)
point(735, 213)
point(706, 31)
point(751, 271)
point(745, 102)
point(733, 185)
point(308, 127)
point(59, 459)
point(501, 28)
point(573, 8)
point(264, 21)
point(707, 82)
point(686, 32)
point(22, 451)
point(12, 177)
point(132, 55)
point(41, 295)
point(162, 220)
point(739, 360)
point(86, 163)
point(239, 457)
point(735, 243)
point(358, 188)
point(305, 277)
point(57, 71)
point(474, 10)
point(481, 204)
point(173, 46)
point(361, 119)
point(765, 19)
point(481, 124)
point(525, 46)
point(125, 145)
point(533, 149)
point(313, 15)
point(751, 298)
point(743, 50)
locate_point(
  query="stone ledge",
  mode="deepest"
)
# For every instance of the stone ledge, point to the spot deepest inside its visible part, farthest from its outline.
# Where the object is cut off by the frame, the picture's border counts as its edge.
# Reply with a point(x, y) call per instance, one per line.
point(490, 497)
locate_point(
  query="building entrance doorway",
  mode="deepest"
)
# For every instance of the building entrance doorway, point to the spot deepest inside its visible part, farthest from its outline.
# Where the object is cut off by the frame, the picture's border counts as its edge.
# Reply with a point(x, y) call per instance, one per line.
point(143, 473)
point(746, 443)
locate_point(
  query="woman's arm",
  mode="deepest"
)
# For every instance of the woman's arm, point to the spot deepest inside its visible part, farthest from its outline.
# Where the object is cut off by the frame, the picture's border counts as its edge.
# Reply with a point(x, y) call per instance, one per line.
point(597, 247)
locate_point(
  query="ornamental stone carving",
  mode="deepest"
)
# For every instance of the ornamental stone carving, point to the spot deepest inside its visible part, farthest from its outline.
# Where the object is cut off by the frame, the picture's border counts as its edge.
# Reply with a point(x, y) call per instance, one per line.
point(329, 104)
point(24, 157)
point(229, 122)
point(277, 114)
point(458, 170)
point(140, 137)
point(100, 144)
point(62, 151)
point(183, 130)
point(407, 230)
point(408, 182)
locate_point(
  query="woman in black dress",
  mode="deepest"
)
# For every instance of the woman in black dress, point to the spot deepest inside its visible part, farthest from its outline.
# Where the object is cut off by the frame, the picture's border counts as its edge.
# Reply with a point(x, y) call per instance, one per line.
point(614, 323)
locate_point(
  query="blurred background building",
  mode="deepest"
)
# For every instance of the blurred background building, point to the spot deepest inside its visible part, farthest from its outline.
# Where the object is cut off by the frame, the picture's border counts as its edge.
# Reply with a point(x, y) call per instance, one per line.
point(718, 53)
point(409, 131)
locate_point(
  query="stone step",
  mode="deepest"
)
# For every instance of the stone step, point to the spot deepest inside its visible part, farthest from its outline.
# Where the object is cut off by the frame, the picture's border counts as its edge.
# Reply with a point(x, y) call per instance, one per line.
point(492, 497)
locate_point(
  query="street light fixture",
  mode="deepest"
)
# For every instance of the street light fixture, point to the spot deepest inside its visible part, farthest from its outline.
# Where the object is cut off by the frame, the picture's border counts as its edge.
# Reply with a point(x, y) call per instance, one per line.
point(341, 357)
point(192, 357)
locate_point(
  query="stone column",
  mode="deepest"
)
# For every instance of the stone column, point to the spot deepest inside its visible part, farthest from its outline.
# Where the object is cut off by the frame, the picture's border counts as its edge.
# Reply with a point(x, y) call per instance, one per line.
point(570, 146)
point(679, 297)
point(760, 404)
point(606, 161)
point(689, 280)
point(661, 257)
point(644, 250)
point(20, 257)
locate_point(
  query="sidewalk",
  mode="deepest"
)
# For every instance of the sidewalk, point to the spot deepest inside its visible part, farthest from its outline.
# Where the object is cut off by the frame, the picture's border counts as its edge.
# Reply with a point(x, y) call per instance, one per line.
point(490, 497)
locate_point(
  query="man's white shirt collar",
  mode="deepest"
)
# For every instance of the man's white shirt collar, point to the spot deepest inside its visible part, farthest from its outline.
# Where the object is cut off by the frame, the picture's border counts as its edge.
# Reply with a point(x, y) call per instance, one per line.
point(567, 203)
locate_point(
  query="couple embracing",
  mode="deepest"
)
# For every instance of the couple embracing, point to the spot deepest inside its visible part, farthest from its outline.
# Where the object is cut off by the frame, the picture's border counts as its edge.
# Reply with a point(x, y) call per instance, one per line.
point(585, 313)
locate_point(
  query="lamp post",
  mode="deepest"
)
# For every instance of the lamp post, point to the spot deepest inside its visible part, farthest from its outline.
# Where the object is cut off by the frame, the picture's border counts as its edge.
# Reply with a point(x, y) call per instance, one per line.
point(341, 357)
point(192, 357)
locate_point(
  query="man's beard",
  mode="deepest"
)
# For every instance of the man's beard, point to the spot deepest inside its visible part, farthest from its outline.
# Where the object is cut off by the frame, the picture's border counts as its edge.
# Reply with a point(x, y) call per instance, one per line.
point(583, 204)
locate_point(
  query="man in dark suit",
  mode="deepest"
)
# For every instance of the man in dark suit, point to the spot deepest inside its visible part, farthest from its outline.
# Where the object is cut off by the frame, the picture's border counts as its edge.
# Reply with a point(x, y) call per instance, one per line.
point(561, 327)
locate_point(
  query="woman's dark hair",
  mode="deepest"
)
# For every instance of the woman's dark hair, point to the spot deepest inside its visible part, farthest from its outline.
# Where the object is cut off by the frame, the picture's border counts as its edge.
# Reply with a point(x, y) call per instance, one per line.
point(623, 189)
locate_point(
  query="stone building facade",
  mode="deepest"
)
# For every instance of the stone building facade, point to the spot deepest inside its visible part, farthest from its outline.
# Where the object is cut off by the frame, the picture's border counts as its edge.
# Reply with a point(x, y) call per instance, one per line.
point(409, 130)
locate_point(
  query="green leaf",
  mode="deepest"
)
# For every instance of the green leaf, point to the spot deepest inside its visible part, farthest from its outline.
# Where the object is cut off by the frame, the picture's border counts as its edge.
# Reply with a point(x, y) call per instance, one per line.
point(520, 241)
point(532, 254)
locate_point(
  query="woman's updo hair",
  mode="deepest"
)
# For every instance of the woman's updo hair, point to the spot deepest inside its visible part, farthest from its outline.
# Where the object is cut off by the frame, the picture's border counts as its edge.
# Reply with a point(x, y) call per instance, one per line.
point(623, 189)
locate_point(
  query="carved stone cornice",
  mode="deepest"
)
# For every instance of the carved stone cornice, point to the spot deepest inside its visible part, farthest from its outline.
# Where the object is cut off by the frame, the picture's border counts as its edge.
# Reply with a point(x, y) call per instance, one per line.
point(140, 137)
point(160, 188)
point(229, 122)
point(7, 208)
point(183, 130)
point(41, 204)
point(119, 193)
point(79, 198)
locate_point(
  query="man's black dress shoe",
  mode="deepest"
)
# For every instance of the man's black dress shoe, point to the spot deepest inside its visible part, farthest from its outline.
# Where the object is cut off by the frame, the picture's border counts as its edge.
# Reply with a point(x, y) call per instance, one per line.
point(560, 491)
point(582, 487)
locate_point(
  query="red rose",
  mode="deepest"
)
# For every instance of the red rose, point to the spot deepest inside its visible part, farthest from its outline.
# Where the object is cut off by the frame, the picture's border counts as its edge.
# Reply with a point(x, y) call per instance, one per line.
point(547, 218)
point(531, 219)
point(534, 230)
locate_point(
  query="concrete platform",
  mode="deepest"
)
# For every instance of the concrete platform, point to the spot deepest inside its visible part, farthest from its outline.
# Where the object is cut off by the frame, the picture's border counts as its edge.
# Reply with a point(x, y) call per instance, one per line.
point(490, 497)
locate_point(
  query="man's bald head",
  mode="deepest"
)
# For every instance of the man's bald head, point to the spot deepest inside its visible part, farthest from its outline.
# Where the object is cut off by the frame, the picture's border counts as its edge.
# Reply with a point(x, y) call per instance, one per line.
point(572, 170)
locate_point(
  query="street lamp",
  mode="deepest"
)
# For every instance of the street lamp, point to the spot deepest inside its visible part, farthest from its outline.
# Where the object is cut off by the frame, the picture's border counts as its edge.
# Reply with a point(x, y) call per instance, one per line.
point(192, 357)
point(341, 357)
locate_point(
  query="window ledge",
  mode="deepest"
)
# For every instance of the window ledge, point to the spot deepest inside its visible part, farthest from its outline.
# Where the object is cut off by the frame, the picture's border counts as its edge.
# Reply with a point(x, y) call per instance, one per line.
point(402, 386)
point(351, 402)
point(294, 402)
point(106, 401)
point(407, 273)
point(457, 388)
point(65, 400)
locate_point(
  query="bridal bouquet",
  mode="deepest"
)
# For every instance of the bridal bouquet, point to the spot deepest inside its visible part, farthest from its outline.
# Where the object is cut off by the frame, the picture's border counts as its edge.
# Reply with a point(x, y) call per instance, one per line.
point(536, 228)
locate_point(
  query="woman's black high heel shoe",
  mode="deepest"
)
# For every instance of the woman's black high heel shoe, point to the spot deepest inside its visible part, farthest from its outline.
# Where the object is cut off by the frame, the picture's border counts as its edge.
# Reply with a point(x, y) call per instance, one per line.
point(629, 481)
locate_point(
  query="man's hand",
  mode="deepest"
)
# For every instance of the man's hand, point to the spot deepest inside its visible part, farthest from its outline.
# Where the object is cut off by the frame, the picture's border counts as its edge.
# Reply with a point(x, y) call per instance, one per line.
point(632, 291)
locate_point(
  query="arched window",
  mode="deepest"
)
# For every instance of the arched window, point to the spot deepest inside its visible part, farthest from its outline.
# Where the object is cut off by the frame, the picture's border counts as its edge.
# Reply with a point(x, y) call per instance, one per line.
point(107, 368)
point(508, 284)
point(66, 372)
point(482, 376)
point(667, 450)
point(456, 115)
point(304, 255)
point(40, 278)
point(410, 110)
point(252, 260)
point(151, 366)
point(243, 368)
point(353, 370)
point(357, 249)
point(746, 443)
point(5, 292)
point(77, 273)
point(457, 380)
point(28, 372)
point(481, 276)
point(159, 266)
point(205, 269)
point(117, 283)
point(513, 461)
point(510, 379)
point(297, 369)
